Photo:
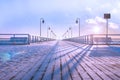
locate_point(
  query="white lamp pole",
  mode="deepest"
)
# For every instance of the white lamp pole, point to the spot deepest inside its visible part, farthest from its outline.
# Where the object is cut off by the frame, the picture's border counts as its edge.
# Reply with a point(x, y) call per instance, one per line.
point(41, 21)
point(70, 29)
point(107, 16)
point(78, 22)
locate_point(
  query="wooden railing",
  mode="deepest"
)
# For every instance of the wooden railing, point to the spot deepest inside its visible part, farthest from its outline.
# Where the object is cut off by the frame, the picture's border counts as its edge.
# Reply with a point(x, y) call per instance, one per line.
point(21, 39)
point(102, 39)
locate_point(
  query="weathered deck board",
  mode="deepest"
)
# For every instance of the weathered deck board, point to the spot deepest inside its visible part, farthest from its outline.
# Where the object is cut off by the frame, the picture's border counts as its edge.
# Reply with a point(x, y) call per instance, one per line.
point(29, 75)
point(42, 70)
point(73, 70)
point(65, 61)
point(104, 70)
point(97, 71)
point(82, 73)
point(65, 69)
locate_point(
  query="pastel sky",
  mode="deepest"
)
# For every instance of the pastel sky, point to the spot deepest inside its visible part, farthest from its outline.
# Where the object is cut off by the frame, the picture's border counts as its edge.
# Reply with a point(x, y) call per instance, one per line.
point(23, 16)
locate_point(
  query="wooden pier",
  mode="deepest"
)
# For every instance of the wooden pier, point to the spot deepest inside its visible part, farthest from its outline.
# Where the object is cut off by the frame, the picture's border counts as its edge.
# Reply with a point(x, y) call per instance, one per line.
point(65, 61)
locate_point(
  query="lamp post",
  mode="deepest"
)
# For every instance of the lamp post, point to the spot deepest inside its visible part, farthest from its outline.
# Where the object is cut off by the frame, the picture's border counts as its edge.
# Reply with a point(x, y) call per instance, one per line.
point(107, 16)
point(51, 34)
point(64, 35)
point(70, 29)
point(41, 21)
point(78, 22)
point(48, 32)
point(67, 33)
point(54, 35)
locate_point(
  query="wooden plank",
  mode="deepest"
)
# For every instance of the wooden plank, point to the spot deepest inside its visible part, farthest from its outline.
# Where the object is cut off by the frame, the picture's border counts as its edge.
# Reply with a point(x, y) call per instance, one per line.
point(14, 72)
point(72, 67)
point(83, 74)
point(42, 70)
point(67, 62)
point(74, 64)
point(90, 72)
point(31, 72)
point(97, 71)
point(57, 69)
point(49, 72)
point(65, 69)
point(115, 74)
point(108, 63)
point(108, 73)
point(78, 55)
point(107, 70)
point(57, 72)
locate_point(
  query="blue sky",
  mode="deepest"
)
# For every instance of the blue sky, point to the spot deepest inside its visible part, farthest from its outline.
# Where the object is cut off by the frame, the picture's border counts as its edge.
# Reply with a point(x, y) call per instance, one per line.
point(23, 16)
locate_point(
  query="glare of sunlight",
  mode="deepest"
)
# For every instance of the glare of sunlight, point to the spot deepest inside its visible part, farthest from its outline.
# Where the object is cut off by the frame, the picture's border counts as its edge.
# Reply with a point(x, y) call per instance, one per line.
point(96, 30)
point(59, 38)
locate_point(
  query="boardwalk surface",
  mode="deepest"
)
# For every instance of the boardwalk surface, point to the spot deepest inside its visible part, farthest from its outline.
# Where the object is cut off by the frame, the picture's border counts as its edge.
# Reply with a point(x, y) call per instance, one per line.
point(62, 61)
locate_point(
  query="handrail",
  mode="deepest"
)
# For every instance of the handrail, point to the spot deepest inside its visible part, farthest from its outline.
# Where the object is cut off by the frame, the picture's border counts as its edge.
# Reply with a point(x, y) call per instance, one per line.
point(95, 39)
point(14, 39)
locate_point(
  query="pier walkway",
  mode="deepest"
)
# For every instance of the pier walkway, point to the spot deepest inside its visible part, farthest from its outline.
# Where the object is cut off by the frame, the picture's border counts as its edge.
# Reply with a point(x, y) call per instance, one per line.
point(60, 60)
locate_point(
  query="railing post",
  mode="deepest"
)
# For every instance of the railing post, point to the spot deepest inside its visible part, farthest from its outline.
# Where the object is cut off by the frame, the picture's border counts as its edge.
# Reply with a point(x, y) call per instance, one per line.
point(29, 37)
point(91, 39)
point(32, 39)
point(87, 39)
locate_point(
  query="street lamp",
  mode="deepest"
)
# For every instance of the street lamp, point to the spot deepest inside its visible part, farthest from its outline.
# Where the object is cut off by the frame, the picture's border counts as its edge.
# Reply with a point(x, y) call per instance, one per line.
point(51, 34)
point(78, 22)
point(48, 32)
point(107, 16)
point(54, 35)
point(64, 35)
point(67, 34)
point(70, 29)
point(41, 21)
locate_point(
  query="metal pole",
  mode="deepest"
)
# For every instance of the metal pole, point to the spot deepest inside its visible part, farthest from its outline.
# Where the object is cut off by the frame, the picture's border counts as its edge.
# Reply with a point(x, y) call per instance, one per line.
point(41, 20)
point(47, 32)
point(71, 32)
point(78, 22)
point(79, 26)
point(50, 34)
point(70, 29)
point(67, 34)
point(106, 31)
point(40, 27)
